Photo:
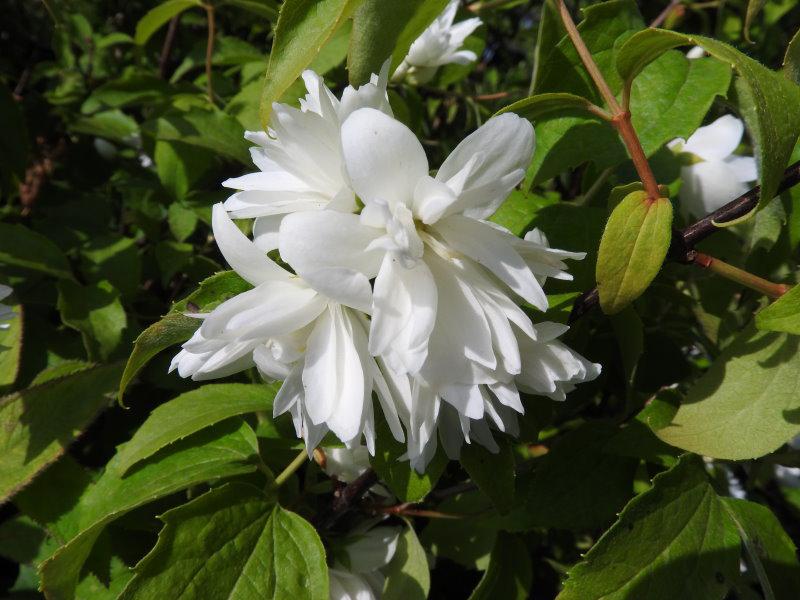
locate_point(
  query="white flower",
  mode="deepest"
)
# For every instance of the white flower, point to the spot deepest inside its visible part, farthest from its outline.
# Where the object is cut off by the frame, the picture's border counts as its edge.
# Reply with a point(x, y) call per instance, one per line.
point(438, 45)
point(6, 314)
point(696, 52)
point(290, 331)
point(718, 175)
point(299, 160)
point(365, 555)
point(425, 242)
point(346, 464)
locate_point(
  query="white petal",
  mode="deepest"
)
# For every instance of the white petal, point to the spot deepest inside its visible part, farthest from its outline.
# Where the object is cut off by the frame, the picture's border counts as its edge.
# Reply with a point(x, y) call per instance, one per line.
point(347, 586)
point(404, 312)
point(265, 232)
point(467, 399)
point(717, 140)
point(494, 250)
point(745, 167)
point(505, 147)
point(241, 254)
point(373, 549)
point(383, 158)
point(707, 186)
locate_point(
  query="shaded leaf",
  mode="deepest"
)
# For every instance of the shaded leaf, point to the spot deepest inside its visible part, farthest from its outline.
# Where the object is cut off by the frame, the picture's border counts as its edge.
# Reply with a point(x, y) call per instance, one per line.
point(156, 17)
point(23, 247)
point(509, 575)
point(492, 473)
point(95, 311)
point(407, 575)
point(783, 314)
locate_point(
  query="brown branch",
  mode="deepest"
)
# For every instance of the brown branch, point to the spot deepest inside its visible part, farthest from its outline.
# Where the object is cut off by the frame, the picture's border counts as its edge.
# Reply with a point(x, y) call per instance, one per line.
point(683, 242)
point(345, 498)
point(210, 51)
point(166, 49)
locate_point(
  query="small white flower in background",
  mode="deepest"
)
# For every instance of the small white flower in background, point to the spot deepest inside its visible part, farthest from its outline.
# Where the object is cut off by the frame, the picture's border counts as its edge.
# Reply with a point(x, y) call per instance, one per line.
point(718, 175)
point(291, 332)
point(416, 298)
point(438, 45)
point(696, 52)
point(365, 555)
point(6, 314)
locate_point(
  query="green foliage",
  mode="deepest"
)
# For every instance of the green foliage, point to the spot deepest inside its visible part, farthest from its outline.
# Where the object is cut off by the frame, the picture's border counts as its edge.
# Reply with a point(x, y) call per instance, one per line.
point(783, 314)
point(632, 249)
point(492, 473)
point(251, 548)
point(407, 576)
point(509, 573)
point(744, 405)
point(158, 16)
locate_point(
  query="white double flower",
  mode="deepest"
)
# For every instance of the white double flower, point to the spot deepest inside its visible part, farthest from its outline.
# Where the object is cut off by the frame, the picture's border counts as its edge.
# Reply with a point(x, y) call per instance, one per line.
point(416, 297)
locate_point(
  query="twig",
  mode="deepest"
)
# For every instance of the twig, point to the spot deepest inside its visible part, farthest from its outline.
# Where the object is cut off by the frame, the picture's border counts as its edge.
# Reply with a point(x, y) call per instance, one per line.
point(292, 467)
point(166, 49)
point(754, 282)
point(210, 51)
point(683, 242)
point(345, 498)
point(659, 20)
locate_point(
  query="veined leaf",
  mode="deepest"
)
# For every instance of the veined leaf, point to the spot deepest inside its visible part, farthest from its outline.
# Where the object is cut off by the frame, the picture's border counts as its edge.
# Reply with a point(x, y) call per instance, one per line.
point(39, 423)
point(156, 17)
point(407, 575)
point(191, 412)
point(783, 314)
point(766, 99)
point(746, 404)
point(233, 542)
point(223, 451)
point(23, 247)
point(632, 249)
point(303, 28)
point(673, 541)
point(552, 104)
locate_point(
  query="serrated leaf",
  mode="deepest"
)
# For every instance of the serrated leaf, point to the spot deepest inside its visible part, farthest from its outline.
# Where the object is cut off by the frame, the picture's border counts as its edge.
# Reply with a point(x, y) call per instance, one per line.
point(632, 249)
point(766, 99)
point(96, 311)
point(39, 423)
point(783, 314)
point(156, 17)
point(673, 541)
point(492, 473)
point(23, 247)
point(303, 28)
point(191, 412)
point(377, 26)
point(509, 575)
point(768, 549)
point(223, 451)
point(746, 404)
point(233, 542)
point(576, 485)
point(176, 327)
point(407, 575)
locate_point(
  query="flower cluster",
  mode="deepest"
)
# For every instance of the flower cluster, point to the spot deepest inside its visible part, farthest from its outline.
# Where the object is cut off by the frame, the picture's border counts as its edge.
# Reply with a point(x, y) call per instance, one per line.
point(399, 286)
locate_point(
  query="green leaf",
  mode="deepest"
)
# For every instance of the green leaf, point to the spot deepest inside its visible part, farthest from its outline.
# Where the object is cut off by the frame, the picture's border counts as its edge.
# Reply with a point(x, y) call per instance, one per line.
point(403, 481)
point(227, 450)
point(541, 105)
point(673, 541)
point(423, 17)
point(768, 549)
point(39, 423)
point(233, 542)
point(407, 575)
point(783, 314)
point(182, 221)
point(180, 166)
point(492, 473)
point(95, 311)
point(766, 99)
point(210, 129)
point(576, 485)
point(632, 249)
point(377, 26)
point(176, 327)
point(791, 61)
point(156, 17)
point(267, 9)
point(745, 405)
point(23, 247)
point(509, 575)
point(753, 8)
point(191, 412)
point(303, 28)
point(11, 347)
point(115, 258)
point(111, 124)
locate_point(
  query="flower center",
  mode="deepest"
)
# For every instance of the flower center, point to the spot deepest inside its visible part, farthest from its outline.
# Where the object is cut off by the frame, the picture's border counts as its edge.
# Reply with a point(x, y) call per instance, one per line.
point(401, 237)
